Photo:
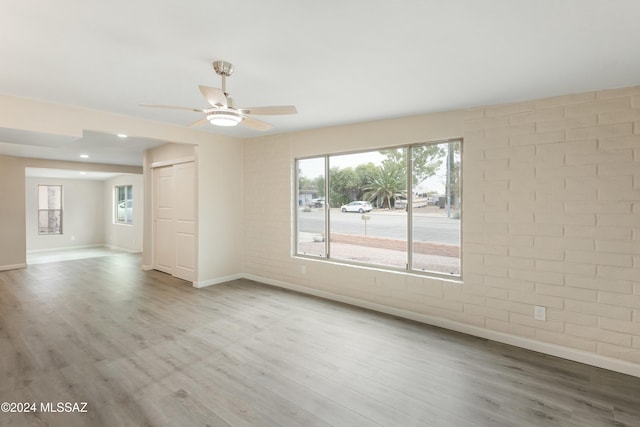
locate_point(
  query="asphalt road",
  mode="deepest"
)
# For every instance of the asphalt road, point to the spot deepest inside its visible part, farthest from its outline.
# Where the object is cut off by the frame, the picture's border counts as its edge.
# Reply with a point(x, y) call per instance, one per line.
point(428, 228)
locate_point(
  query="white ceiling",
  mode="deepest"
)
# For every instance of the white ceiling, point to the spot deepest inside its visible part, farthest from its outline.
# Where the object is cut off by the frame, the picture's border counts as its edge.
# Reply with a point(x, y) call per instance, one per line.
point(95, 147)
point(338, 61)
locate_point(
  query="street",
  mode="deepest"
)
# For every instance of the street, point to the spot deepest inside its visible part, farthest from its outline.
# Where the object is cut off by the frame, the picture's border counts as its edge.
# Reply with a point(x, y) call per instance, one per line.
point(391, 224)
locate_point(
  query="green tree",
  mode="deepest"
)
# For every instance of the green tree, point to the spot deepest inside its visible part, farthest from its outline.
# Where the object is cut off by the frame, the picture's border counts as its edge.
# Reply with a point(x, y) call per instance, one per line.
point(318, 185)
point(343, 186)
point(304, 183)
point(364, 174)
point(426, 159)
point(387, 183)
point(454, 173)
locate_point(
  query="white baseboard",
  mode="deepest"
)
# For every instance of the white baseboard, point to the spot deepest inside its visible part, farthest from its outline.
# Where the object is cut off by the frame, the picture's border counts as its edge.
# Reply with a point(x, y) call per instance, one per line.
point(12, 267)
point(117, 248)
point(64, 248)
point(580, 356)
point(71, 248)
point(205, 283)
point(218, 280)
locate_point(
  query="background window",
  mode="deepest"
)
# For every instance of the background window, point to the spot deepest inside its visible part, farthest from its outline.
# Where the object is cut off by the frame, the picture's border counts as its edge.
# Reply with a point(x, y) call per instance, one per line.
point(49, 209)
point(124, 204)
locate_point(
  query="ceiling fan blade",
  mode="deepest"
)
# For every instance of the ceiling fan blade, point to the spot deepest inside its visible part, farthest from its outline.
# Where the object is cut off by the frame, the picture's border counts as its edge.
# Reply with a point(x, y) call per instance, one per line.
point(172, 107)
point(214, 96)
point(200, 122)
point(270, 111)
point(255, 123)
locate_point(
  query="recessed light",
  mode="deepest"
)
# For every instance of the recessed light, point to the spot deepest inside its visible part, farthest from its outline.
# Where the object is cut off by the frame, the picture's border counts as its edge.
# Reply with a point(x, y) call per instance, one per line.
point(122, 135)
point(84, 156)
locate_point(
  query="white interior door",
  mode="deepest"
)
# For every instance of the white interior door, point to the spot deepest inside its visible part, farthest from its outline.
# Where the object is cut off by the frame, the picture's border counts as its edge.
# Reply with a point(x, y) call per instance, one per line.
point(163, 227)
point(175, 220)
point(184, 215)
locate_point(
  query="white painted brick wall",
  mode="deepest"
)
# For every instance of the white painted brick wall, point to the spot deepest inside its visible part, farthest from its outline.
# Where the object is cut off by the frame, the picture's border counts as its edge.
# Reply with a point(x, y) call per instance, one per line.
point(551, 217)
point(580, 210)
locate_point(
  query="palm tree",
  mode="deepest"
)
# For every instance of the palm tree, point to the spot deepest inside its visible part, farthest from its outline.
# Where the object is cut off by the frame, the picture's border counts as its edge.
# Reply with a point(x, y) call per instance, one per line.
point(388, 182)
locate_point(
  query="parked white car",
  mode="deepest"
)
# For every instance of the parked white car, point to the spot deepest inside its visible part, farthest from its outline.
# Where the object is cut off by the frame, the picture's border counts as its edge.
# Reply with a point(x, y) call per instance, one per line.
point(400, 204)
point(316, 203)
point(357, 206)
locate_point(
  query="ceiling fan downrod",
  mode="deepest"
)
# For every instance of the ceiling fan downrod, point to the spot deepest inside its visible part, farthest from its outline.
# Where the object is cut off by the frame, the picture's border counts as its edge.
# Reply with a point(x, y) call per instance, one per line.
point(224, 69)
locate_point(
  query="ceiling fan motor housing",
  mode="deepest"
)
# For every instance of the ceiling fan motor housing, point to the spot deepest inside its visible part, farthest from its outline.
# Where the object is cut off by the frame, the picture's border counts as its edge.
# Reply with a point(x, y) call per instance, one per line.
point(223, 68)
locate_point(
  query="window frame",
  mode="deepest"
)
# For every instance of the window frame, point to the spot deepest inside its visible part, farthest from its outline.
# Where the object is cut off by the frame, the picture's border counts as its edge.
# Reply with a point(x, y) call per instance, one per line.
point(409, 223)
point(128, 190)
point(61, 210)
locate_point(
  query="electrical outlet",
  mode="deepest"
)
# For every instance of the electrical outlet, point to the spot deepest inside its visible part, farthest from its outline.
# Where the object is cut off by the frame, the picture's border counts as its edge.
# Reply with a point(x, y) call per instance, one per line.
point(540, 312)
point(303, 269)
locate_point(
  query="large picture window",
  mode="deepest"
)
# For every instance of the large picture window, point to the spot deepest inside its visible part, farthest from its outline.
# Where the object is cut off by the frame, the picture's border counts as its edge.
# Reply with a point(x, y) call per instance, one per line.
point(396, 208)
point(49, 209)
point(123, 197)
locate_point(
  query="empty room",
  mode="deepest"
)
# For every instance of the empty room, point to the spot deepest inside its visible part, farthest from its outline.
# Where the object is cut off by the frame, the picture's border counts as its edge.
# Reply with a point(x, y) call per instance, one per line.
point(297, 213)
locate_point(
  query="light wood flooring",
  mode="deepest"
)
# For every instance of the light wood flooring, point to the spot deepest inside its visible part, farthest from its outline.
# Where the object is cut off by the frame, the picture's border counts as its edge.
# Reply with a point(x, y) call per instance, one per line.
point(42, 257)
point(144, 349)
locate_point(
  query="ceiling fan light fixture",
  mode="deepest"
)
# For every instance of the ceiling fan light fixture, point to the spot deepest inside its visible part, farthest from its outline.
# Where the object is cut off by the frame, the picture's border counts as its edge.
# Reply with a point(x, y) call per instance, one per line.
point(224, 118)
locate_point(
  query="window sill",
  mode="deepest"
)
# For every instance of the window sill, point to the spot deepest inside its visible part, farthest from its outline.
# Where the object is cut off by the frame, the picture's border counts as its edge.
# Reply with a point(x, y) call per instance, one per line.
point(381, 269)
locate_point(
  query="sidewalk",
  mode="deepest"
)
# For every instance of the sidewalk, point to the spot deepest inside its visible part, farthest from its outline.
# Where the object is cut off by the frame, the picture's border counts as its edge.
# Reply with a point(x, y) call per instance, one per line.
point(383, 255)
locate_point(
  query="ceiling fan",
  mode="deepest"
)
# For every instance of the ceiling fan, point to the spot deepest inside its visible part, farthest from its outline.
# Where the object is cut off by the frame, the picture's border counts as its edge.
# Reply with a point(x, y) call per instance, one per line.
point(222, 111)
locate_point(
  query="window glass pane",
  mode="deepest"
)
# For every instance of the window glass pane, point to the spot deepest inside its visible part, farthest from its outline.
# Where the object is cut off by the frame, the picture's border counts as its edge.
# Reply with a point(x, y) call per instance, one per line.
point(436, 207)
point(50, 222)
point(120, 212)
point(368, 223)
point(129, 205)
point(311, 206)
point(124, 204)
point(49, 197)
point(43, 197)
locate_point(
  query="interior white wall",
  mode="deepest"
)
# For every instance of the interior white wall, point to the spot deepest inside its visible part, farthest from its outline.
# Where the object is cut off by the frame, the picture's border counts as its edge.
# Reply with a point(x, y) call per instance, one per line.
point(126, 237)
point(83, 214)
point(13, 250)
point(219, 211)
